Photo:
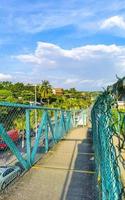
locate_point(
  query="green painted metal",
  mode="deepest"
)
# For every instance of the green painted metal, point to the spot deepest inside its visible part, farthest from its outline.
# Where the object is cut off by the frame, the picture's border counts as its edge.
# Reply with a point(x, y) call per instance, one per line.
point(64, 123)
point(84, 117)
point(106, 130)
point(46, 138)
point(49, 128)
point(74, 116)
point(28, 138)
point(61, 126)
point(13, 147)
point(37, 140)
point(68, 121)
point(17, 105)
point(56, 125)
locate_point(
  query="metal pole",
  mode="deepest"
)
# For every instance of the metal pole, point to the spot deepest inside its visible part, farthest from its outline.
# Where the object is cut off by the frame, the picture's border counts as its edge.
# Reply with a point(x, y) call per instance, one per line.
point(28, 138)
point(35, 95)
point(35, 111)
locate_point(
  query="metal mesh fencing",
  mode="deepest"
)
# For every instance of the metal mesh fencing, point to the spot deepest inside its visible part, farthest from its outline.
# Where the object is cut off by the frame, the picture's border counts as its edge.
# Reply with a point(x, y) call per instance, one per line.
point(108, 128)
point(13, 121)
point(27, 132)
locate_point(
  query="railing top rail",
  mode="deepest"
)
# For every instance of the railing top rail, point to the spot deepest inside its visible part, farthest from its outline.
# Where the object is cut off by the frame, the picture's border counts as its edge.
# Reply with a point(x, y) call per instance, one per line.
point(26, 106)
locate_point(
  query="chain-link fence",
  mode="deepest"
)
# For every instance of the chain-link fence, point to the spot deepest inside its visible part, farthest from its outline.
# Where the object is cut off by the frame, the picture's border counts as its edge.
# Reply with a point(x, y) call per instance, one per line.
point(27, 132)
point(108, 127)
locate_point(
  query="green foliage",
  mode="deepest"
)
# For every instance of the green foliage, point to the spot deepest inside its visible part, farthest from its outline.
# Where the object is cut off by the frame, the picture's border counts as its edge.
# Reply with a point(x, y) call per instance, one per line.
point(6, 95)
point(27, 95)
point(118, 118)
point(10, 99)
point(45, 90)
point(20, 93)
point(6, 85)
point(19, 122)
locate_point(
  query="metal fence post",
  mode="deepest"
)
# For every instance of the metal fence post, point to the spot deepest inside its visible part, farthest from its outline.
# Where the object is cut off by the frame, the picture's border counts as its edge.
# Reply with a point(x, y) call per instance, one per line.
point(51, 127)
point(12, 147)
point(56, 124)
point(46, 138)
point(28, 138)
point(36, 143)
point(74, 118)
point(84, 116)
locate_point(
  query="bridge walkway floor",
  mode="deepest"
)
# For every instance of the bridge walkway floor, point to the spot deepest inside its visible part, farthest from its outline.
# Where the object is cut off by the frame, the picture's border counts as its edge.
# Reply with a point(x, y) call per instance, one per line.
point(66, 172)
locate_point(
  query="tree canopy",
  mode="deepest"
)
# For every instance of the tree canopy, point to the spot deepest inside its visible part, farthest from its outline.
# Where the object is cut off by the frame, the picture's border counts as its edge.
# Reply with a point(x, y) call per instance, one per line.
point(25, 93)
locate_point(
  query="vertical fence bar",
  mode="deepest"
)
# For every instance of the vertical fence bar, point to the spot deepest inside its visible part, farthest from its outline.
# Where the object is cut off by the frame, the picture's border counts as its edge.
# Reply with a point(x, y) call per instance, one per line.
point(36, 143)
point(60, 125)
point(51, 127)
point(84, 116)
point(74, 118)
point(56, 125)
point(28, 138)
point(46, 138)
point(69, 120)
point(64, 124)
point(66, 121)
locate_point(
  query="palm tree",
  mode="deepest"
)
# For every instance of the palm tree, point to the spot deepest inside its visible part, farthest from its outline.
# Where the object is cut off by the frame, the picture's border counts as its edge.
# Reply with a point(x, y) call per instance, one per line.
point(45, 90)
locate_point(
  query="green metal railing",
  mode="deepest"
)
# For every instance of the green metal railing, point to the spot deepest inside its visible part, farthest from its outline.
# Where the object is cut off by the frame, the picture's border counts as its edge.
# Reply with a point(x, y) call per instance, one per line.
point(47, 125)
point(108, 128)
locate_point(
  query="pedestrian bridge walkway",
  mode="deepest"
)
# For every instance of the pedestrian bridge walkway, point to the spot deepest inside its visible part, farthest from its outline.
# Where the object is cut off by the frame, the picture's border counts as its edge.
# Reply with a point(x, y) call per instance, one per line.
point(67, 171)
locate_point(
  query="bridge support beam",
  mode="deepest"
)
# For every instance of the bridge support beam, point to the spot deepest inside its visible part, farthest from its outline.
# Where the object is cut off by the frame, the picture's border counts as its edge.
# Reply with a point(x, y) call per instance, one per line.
point(12, 147)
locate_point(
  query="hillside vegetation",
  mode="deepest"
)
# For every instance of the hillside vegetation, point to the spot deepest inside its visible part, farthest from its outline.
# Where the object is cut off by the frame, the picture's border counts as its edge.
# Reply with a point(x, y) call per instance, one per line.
point(25, 93)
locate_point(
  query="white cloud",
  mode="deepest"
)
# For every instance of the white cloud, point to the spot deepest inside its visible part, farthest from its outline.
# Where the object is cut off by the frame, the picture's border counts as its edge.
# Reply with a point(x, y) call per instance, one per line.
point(76, 82)
point(51, 53)
point(86, 81)
point(71, 81)
point(114, 21)
point(5, 77)
point(93, 66)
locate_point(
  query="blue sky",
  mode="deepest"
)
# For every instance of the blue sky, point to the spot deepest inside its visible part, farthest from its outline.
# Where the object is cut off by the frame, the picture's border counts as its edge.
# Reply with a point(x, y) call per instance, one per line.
point(74, 43)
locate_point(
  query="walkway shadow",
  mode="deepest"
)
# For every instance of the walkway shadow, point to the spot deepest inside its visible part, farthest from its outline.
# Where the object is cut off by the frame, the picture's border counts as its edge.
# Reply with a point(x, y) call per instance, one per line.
point(80, 183)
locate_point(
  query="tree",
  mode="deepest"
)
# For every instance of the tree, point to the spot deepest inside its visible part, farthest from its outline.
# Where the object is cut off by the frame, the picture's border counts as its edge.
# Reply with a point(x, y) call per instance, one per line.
point(17, 88)
point(45, 90)
point(4, 94)
point(27, 95)
point(6, 85)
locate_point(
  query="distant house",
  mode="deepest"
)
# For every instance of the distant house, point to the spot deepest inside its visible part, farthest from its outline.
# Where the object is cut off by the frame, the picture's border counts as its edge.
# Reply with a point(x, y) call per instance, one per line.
point(32, 103)
point(58, 91)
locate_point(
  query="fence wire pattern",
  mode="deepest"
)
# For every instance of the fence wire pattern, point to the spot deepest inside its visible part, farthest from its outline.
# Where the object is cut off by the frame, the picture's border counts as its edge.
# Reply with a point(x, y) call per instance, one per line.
point(27, 132)
point(108, 127)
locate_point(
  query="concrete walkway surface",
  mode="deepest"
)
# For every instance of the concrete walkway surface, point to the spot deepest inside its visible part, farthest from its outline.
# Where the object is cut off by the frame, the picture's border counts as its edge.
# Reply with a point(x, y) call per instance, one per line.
point(66, 172)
